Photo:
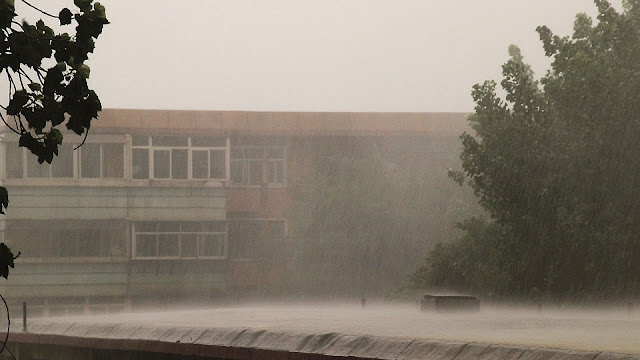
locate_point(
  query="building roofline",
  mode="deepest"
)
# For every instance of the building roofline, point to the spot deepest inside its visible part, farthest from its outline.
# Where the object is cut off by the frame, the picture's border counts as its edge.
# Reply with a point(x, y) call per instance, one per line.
point(280, 123)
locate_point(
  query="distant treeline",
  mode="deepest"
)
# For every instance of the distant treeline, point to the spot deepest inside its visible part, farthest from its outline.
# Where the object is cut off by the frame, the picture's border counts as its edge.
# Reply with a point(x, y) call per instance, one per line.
point(556, 165)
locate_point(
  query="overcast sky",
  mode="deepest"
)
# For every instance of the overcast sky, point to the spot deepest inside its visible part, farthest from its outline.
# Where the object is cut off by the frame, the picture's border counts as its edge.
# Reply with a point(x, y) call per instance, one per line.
point(314, 55)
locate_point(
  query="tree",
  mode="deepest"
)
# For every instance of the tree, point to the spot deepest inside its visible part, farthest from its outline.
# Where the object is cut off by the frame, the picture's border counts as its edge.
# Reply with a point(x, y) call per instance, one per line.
point(47, 75)
point(553, 163)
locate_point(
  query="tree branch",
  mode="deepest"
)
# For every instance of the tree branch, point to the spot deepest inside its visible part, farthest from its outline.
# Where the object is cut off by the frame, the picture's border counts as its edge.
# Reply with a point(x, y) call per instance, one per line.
point(83, 140)
point(6, 337)
point(42, 11)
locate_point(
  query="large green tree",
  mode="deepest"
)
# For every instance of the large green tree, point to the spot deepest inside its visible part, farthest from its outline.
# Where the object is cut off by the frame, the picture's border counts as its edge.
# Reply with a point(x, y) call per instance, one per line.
point(47, 76)
point(554, 163)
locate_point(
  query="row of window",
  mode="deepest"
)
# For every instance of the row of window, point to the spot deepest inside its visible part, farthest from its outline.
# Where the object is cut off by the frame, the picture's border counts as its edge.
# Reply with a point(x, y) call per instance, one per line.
point(236, 238)
point(91, 161)
point(66, 238)
point(172, 239)
point(179, 157)
point(156, 157)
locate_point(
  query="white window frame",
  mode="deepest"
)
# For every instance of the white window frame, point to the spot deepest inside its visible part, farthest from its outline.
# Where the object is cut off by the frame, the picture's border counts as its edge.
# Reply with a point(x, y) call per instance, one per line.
point(190, 148)
point(265, 160)
point(78, 155)
point(225, 241)
point(76, 162)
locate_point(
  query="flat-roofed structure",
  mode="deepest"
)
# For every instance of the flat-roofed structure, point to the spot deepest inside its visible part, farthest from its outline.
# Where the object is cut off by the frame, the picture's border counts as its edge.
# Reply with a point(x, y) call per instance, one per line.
point(161, 204)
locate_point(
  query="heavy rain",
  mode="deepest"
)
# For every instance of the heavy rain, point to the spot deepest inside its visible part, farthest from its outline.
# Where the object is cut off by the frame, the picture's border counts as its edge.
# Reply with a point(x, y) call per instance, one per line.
point(372, 179)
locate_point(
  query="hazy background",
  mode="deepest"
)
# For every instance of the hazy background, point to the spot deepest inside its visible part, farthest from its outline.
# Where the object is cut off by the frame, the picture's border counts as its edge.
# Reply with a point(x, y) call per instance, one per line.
point(329, 55)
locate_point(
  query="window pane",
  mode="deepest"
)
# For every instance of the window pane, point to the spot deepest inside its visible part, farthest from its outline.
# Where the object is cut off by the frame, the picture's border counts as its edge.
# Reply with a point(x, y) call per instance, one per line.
point(189, 245)
point(62, 166)
point(179, 164)
point(211, 245)
point(161, 164)
point(35, 169)
point(254, 153)
point(168, 226)
point(218, 164)
point(169, 140)
point(146, 246)
point(112, 160)
point(275, 172)
point(275, 153)
point(146, 226)
point(237, 171)
point(140, 140)
point(14, 160)
point(199, 166)
point(90, 160)
point(168, 245)
point(214, 226)
point(91, 243)
point(237, 153)
point(140, 167)
point(191, 227)
point(255, 172)
point(208, 141)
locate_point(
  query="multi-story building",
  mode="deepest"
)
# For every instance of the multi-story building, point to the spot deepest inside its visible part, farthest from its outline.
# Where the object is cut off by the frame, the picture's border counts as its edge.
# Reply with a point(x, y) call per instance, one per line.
point(168, 204)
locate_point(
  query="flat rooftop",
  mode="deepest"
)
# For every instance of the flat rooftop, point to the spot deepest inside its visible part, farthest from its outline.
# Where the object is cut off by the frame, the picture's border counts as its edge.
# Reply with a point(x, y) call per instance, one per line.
point(614, 331)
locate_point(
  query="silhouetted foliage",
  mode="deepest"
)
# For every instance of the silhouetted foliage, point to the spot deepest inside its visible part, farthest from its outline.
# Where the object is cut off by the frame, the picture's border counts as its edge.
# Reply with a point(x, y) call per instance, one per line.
point(554, 164)
point(47, 77)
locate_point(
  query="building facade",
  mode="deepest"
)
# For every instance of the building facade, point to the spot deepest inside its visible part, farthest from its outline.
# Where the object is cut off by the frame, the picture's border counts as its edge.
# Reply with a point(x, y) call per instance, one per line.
point(160, 205)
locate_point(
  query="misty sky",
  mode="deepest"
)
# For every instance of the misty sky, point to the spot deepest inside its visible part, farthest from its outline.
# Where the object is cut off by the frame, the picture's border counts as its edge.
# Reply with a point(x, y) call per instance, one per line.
point(313, 55)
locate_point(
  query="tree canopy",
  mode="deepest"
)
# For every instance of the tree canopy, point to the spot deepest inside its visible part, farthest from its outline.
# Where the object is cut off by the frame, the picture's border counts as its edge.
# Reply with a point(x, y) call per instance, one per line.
point(554, 164)
point(47, 75)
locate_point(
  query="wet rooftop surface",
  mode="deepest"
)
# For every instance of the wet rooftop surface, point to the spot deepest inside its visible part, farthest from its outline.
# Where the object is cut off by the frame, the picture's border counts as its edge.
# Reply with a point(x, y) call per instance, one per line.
point(587, 330)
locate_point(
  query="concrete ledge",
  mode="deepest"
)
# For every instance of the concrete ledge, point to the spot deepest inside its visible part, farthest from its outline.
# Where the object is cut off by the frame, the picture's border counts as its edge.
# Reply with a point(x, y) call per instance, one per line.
point(252, 344)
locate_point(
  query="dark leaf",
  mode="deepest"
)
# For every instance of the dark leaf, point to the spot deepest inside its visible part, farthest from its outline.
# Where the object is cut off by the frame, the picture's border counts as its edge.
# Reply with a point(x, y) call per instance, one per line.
point(19, 100)
point(4, 199)
point(35, 87)
point(65, 16)
point(6, 260)
point(83, 5)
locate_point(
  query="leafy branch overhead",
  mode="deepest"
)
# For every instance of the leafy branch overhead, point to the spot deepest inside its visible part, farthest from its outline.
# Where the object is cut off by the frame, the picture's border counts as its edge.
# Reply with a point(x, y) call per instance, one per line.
point(47, 75)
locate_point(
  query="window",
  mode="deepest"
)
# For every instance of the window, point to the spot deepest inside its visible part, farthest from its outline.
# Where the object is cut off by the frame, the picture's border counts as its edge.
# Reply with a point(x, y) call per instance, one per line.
point(258, 165)
point(112, 160)
point(67, 238)
point(179, 239)
point(14, 160)
point(94, 160)
point(140, 168)
point(102, 160)
point(179, 157)
point(61, 167)
point(90, 161)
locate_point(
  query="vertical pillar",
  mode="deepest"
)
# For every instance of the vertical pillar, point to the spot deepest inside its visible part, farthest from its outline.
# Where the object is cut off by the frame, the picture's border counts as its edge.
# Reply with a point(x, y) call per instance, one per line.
point(24, 316)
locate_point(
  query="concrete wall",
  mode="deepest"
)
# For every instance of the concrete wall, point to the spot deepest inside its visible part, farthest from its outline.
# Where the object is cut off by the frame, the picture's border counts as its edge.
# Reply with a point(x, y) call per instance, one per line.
point(71, 279)
point(88, 341)
point(75, 202)
point(119, 281)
